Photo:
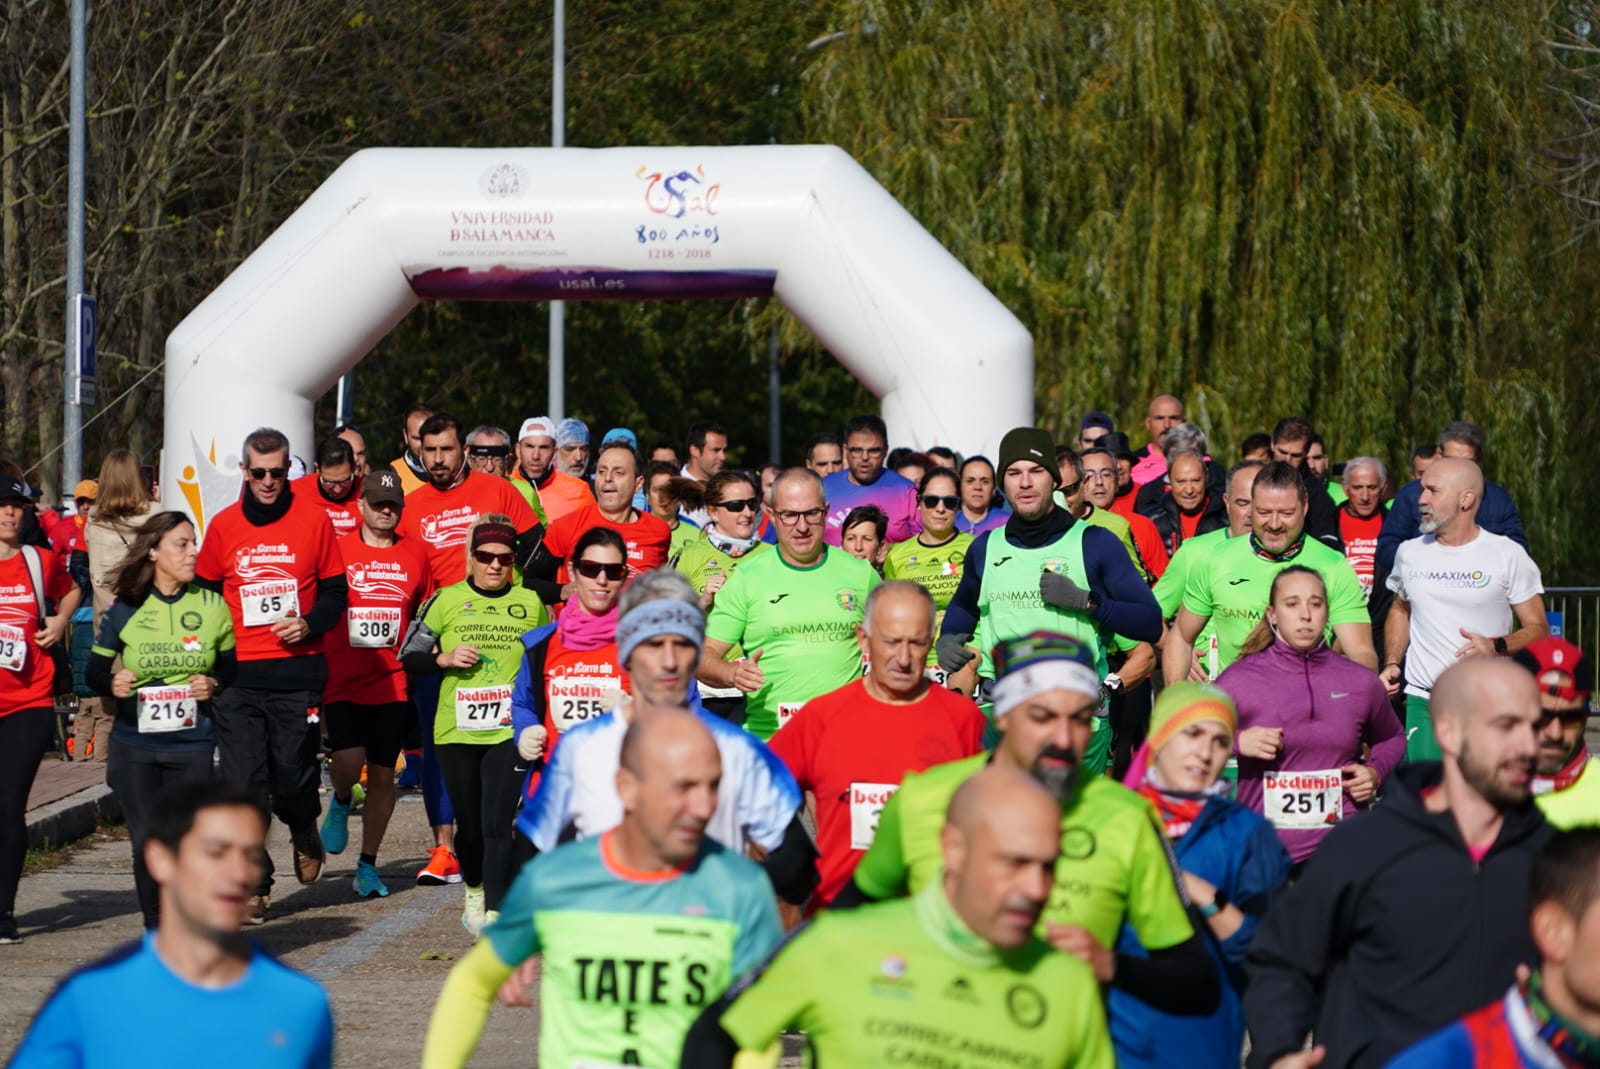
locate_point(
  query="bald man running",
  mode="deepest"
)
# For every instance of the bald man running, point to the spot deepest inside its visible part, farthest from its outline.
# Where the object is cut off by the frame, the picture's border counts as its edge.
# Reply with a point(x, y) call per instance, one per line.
point(1410, 916)
point(953, 975)
point(682, 917)
point(1459, 591)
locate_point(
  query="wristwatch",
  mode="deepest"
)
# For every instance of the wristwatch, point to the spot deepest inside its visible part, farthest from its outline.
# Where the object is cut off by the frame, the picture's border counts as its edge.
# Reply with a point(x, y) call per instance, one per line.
point(1216, 905)
point(1500, 646)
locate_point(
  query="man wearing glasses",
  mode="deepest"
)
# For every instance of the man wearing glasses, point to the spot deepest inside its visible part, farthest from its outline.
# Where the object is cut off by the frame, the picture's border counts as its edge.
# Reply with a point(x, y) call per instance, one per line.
point(273, 557)
point(864, 481)
point(489, 450)
point(367, 701)
point(336, 483)
point(795, 612)
point(1564, 784)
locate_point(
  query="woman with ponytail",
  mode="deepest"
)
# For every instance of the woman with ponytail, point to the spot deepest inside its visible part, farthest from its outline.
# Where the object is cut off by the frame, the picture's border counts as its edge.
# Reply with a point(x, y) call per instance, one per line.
point(1305, 716)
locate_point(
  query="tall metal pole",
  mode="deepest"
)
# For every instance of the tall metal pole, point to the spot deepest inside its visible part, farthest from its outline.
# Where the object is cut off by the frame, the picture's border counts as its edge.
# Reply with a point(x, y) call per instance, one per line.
point(344, 403)
point(774, 407)
point(72, 416)
point(558, 139)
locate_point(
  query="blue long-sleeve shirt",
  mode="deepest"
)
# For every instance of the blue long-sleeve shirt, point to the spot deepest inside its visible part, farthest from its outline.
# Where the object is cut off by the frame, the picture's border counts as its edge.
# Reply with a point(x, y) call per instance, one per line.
point(1496, 513)
point(1124, 604)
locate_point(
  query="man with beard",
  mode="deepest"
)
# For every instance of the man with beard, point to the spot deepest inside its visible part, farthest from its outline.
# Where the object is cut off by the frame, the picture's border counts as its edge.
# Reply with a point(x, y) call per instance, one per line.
point(1459, 591)
point(1564, 784)
point(1410, 917)
point(1114, 866)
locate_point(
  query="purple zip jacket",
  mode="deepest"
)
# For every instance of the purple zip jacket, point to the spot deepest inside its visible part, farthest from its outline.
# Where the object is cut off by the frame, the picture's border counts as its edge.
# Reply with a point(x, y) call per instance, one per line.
point(1327, 706)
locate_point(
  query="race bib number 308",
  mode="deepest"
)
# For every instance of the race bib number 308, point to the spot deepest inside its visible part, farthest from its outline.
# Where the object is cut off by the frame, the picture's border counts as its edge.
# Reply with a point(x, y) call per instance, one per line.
point(13, 648)
point(374, 628)
point(1304, 800)
point(483, 708)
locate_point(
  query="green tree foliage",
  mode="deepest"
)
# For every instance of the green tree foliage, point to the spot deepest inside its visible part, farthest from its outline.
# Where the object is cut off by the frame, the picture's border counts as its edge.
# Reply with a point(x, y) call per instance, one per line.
point(1334, 209)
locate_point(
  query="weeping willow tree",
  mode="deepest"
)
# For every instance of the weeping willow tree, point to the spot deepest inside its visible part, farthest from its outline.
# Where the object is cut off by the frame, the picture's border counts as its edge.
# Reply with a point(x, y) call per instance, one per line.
point(1269, 208)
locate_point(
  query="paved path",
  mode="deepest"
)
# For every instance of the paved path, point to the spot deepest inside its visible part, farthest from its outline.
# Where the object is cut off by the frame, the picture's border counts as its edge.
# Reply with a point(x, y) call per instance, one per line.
point(372, 955)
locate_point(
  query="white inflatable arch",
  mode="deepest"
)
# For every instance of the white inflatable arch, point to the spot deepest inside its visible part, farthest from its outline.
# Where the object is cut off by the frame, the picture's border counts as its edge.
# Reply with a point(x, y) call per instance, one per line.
point(392, 227)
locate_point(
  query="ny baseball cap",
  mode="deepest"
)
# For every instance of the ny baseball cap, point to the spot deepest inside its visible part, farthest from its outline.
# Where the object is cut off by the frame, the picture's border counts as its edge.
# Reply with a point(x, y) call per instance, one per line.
point(382, 487)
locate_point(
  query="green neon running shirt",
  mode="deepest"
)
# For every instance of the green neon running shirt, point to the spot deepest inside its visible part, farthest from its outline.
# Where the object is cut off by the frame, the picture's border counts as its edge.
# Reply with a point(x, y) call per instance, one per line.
point(1231, 587)
point(1010, 604)
point(937, 569)
point(908, 983)
point(630, 959)
point(163, 642)
point(699, 561)
point(493, 624)
point(803, 620)
point(1114, 863)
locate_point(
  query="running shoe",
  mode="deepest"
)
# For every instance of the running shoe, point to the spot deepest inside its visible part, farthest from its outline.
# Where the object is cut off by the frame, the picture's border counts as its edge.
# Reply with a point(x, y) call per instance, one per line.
point(308, 854)
point(367, 882)
point(440, 869)
point(256, 911)
point(9, 935)
point(358, 795)
point(474, 917)
point(336, 826)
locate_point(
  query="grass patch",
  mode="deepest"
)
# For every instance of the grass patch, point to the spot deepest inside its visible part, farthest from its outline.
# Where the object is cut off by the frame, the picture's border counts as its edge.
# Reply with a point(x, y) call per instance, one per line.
point(52, 854)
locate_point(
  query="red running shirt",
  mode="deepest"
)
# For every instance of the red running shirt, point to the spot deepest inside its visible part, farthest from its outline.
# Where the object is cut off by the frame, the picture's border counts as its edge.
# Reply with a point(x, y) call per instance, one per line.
point(27, 672)
point(440, 519)
point(269, 573)
point(852, 751)
point(386, 583)
point(647, 538)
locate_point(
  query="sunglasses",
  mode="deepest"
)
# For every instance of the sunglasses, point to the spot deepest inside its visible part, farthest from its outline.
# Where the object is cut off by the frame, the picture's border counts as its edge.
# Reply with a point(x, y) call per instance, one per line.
point(1071, 488)
point(741, 505)
point(933, 501)
point(593, 569)
point(262, 473)
point(483, 556)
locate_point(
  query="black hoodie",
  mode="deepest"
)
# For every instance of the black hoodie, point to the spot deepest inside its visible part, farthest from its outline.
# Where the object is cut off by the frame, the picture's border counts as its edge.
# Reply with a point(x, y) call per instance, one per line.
point(1392, 931)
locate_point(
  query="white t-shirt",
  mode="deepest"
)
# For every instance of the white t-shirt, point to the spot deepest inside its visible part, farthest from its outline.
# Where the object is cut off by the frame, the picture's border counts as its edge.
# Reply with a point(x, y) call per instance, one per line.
point(1472, 586)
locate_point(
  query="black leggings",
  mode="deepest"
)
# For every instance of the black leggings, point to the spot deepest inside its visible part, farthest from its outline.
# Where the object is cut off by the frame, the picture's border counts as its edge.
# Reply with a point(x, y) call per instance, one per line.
point(138, 775)
point(24, 737)
point(484, 790)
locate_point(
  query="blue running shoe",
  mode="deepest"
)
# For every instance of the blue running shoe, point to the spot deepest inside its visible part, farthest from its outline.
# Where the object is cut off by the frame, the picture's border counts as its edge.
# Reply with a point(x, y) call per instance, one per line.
point(336, 827)
point(367, 883)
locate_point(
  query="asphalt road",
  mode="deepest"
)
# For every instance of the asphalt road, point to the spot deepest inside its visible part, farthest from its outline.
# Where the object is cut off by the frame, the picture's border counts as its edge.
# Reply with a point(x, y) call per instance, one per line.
point(383, 961)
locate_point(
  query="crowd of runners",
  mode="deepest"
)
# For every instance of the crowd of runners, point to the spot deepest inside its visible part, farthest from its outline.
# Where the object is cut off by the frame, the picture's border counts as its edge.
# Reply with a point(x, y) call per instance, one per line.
point(1076, 755)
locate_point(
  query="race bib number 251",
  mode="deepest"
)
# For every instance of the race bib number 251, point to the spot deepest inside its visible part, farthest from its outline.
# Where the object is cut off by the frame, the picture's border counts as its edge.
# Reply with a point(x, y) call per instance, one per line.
point(1304, 799)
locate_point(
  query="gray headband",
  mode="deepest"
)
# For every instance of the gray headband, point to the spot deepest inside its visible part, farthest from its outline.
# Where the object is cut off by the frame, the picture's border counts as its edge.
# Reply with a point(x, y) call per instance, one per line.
point(661, 616)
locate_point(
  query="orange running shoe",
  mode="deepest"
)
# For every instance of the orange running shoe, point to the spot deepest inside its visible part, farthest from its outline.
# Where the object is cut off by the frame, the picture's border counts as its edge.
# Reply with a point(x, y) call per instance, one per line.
point(440, 869)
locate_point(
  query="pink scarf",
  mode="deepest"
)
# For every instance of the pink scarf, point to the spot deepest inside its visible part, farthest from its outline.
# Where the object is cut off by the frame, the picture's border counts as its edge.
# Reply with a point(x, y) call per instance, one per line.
point(581, 630)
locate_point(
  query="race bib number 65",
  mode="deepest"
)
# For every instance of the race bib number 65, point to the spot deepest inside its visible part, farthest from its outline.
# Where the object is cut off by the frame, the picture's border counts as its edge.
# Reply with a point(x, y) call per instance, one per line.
point(1304, 799)
point(266, 603)
point(483, 708)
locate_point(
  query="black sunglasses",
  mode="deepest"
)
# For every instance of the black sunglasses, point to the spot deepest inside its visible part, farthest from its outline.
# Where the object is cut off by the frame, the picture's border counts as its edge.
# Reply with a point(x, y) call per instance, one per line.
point(1071, 488)
point(593, 569)
point(483, 556)
point(750, 503)
point(933, 501)
point(262, 473)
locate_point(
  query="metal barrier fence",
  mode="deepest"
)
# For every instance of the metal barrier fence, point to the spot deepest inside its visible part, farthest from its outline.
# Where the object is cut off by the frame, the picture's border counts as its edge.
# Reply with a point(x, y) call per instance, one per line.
point(1574, 613)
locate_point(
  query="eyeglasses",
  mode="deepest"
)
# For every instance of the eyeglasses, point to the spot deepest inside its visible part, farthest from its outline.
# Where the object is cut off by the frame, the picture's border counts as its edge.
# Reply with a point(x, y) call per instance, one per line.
point(483, 556)
point(331, 484)
point(741, 505)
point(933, 501)
point(261, 473)
point(1099, 476)
point(789, 517)
point(1071, 488)
point(593, 569)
